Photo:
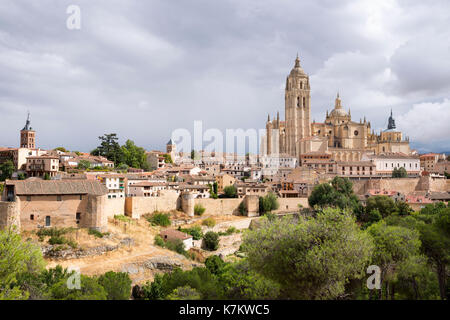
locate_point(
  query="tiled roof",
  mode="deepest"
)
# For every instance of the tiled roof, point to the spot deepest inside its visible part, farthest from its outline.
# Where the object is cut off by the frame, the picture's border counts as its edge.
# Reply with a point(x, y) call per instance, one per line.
point(53, 187)
point(174, 234)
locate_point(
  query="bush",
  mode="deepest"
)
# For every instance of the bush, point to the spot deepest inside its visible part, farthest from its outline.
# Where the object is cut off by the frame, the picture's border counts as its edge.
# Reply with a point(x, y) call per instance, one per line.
point(122, 218)
point(176, 245)
point(159, 241)
point(195, 232)
point(214, 264)
point(57, 240)
point(199, 209)
point(53, 232)
point(211, 241)
point(242, 209)
point(209, 222)
point(97, 233)
point(116, 284)
point(160, 219)
point(230, 192)
point(268, 203)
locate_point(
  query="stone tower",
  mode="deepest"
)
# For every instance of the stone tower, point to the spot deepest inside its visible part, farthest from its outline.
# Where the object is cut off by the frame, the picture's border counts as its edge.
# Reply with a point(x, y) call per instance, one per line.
point(28, 136)
point(170, 147)
point(297, 108)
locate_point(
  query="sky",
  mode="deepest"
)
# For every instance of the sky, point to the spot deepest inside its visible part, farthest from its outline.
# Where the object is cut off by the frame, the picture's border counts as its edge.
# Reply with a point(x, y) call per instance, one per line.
point(142, 69)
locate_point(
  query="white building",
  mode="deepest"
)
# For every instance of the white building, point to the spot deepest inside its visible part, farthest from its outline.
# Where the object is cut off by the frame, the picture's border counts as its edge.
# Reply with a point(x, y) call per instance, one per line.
point(386, 163)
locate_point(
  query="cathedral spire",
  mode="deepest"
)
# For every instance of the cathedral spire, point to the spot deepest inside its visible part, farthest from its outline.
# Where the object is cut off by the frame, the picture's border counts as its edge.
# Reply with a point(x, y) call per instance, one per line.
point(268, 117)
point(27, 124)
point(297, 61)
point(391, 122)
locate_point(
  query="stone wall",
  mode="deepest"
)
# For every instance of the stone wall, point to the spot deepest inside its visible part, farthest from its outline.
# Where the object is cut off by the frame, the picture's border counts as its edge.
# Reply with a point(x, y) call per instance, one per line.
point(114, 207)
point(220, 206)
point(9, 214)
point(403, 185)
point(135, 207)
point(291, 204)
point(62, 213)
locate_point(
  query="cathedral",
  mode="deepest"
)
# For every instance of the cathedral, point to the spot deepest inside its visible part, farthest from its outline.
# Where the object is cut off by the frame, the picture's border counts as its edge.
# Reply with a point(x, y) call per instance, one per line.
point(338, 135)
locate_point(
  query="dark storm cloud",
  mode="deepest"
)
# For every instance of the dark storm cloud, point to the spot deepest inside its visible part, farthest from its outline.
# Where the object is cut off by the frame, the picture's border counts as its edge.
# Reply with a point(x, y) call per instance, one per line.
point(145, 68)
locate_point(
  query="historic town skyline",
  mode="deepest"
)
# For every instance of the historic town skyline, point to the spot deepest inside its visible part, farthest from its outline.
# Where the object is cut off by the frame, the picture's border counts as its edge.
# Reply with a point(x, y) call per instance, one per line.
point(125, 68)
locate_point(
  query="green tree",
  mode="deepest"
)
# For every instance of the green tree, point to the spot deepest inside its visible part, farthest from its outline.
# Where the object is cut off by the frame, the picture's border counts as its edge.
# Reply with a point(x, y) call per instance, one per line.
point(399, 173)
point(168, 158)
point(214, 264)
point(230, 192)
point(133, 155)
point(116, 284)
point(211, 240)
point(109, 148)
point(384, 204)
point(242, 283)
point(312, 258)
point(83, 165)
point(6, 170)
point(16, 257)
point(339, 193)
point(268, 203)
point(62, 149)
point(46, 176)
point(393, 246)
point(90, 289)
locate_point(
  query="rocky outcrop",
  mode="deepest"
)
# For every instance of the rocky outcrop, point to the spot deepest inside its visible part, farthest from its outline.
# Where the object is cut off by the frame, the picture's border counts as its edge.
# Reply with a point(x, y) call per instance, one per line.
point(64, 252)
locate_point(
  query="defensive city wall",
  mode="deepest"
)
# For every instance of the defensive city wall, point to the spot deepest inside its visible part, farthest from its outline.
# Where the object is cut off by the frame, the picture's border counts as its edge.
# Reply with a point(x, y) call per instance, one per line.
point(402, 185)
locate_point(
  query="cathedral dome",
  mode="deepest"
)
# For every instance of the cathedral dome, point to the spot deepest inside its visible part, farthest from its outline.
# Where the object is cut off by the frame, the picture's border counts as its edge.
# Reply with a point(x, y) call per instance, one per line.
point(338, 111)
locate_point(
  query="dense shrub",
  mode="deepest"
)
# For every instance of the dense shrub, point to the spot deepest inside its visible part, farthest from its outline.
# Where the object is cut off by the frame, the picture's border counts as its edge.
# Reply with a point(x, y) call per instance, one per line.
point(230, 192)
point(199, 209)
point(211, 240)
point(209, 222)
point(195, 232)
point(159, 241)
point(160, 219)
point(176, 245)
point(116, 284)
point(97, 233)
point(268, 203)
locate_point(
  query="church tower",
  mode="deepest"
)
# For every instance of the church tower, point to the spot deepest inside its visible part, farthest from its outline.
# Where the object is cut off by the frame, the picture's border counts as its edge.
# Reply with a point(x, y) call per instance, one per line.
point(297, 108)
point(28, 136)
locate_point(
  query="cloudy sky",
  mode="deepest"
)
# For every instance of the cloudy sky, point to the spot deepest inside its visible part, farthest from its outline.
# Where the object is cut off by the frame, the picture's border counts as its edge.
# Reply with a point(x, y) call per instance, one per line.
point(144, 68)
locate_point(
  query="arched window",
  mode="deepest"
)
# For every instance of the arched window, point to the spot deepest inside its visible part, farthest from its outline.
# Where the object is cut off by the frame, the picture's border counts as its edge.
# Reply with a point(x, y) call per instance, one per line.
point(298, 101)
point(304, 102)
point(301, 85)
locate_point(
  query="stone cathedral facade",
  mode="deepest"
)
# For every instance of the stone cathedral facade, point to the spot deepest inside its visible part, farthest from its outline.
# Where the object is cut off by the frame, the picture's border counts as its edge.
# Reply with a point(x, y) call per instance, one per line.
point(338, 135)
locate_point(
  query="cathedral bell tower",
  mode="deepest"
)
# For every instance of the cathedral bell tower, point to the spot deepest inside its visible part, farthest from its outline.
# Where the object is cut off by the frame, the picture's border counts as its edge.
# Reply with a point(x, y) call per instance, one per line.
point(297, 108)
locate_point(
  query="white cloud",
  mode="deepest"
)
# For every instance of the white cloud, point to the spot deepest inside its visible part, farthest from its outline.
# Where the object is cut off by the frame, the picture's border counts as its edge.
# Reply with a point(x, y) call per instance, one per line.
point(428, 122)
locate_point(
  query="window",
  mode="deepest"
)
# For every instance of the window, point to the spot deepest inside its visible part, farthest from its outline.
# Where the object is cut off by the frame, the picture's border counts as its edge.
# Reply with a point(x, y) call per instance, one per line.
point(304, 102)
point(356, 132)
point(58, 198)
point(28, 198)
point(81, 197)
point(31, 216)
point(47, 221)
point(78, 217)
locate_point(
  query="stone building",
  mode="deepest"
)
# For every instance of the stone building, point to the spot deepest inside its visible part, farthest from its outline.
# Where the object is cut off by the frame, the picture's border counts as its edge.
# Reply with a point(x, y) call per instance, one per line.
point(28, 136)
point(32, 204)
point(338, 135)
point(40, 166)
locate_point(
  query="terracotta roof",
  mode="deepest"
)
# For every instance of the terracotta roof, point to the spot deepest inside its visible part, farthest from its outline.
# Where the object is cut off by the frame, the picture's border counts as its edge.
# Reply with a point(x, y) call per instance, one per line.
point(53, 187)
point(174, 234)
